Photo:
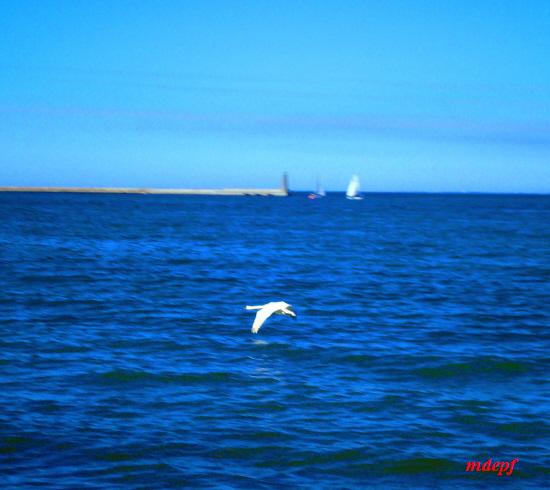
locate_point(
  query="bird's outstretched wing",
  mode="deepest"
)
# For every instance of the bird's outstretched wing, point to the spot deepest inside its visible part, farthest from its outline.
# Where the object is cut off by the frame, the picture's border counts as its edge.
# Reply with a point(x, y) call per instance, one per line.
point(262, 316)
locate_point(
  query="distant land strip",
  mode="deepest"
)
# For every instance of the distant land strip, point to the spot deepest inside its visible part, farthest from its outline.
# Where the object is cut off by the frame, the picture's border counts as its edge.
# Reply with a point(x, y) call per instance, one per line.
point(137, 190)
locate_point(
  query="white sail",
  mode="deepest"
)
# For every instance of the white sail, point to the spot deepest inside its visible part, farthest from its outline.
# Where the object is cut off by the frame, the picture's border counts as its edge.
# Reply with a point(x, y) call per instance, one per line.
point(353, 187)
point(320, 191)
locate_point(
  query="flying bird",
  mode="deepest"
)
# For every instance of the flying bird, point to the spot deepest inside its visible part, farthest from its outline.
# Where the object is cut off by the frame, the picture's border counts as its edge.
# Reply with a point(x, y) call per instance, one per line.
point(265, 311)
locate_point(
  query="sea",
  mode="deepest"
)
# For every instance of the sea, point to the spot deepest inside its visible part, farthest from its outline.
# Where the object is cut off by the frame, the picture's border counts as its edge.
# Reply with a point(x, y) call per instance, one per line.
point(422, 341)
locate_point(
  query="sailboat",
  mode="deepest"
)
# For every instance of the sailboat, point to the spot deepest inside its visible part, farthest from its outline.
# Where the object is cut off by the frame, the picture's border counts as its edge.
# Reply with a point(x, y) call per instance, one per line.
point(320, 192)
point(353, 189)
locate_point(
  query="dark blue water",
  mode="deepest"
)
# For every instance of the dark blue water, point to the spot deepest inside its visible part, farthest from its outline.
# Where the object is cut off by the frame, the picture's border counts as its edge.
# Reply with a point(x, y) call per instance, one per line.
point(126, 359)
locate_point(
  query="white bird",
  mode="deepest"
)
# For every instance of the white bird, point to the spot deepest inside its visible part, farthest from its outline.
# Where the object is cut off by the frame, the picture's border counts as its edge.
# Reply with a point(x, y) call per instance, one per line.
point(265, 311)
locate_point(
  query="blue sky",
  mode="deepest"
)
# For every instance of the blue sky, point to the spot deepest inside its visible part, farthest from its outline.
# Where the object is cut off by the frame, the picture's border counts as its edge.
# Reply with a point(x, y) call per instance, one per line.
point(411, 96)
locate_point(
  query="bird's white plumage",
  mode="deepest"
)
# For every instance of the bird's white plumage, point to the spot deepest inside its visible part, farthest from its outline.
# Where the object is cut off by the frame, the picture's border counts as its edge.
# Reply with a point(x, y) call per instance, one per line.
point(260, 318)
point(265, 311)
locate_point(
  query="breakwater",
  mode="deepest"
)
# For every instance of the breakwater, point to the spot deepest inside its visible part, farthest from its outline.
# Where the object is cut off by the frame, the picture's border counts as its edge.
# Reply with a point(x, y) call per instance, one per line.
point(281, 192)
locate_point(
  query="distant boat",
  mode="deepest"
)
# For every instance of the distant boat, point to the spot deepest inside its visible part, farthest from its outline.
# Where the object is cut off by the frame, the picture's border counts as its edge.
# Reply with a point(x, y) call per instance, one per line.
point(320, 192)
point(353, 189)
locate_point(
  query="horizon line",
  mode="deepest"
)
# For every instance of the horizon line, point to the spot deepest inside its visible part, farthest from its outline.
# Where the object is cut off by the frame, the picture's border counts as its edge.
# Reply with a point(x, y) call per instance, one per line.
point(142, 190)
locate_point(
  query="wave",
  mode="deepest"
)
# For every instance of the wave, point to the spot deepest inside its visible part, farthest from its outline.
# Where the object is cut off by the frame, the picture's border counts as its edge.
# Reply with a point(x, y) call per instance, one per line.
point(127, 377)
point(413, 466)
point(477, 366)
